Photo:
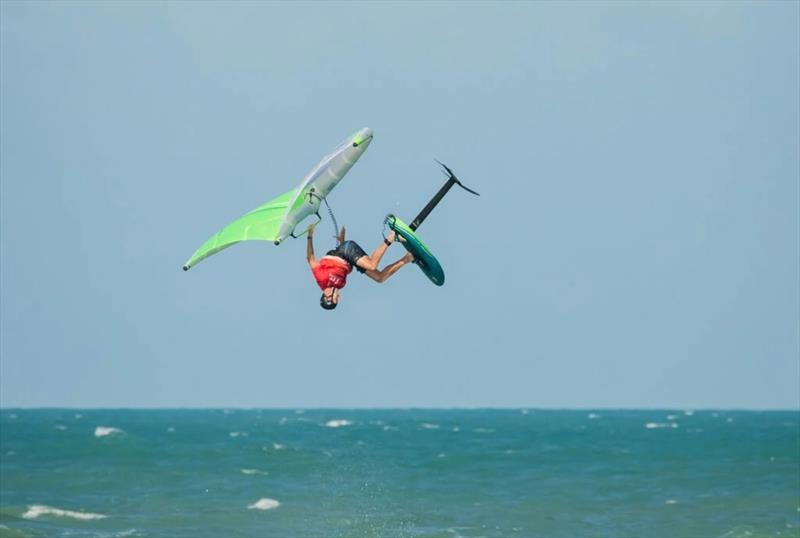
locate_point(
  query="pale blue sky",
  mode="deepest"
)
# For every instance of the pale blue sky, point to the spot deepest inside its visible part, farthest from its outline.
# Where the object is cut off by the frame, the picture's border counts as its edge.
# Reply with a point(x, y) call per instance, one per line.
point(635, 245)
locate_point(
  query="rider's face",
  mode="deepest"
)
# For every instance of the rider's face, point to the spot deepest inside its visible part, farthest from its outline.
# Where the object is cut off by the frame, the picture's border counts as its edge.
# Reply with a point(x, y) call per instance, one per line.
point(332, 295)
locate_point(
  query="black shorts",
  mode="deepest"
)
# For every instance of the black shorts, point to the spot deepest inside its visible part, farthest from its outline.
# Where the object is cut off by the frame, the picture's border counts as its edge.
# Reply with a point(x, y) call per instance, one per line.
point(350, 252)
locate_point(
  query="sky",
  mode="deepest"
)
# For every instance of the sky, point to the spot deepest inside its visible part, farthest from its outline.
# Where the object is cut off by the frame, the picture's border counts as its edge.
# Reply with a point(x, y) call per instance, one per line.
point(636, 243)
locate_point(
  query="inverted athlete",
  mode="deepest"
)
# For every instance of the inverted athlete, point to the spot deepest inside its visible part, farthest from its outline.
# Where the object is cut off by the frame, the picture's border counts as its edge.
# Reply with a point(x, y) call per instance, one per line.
point(331, 270)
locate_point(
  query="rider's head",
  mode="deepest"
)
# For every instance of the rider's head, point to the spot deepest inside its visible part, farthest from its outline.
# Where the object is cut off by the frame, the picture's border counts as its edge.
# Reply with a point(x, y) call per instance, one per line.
point(329, 299)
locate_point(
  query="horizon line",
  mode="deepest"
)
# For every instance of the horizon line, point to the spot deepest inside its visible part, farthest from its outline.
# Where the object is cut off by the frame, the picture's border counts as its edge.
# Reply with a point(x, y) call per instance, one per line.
point(388, 408)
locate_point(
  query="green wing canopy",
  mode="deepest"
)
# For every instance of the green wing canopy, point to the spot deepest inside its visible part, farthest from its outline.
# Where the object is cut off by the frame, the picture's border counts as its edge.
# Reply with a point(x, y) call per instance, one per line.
point(262, 223)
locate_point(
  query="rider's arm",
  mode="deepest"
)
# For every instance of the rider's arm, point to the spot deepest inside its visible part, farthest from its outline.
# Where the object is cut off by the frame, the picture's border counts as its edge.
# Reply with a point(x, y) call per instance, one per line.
point(310, 248)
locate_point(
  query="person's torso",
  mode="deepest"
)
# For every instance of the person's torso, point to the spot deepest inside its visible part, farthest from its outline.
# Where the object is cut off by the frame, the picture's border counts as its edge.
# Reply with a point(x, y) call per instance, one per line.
point(331, 272)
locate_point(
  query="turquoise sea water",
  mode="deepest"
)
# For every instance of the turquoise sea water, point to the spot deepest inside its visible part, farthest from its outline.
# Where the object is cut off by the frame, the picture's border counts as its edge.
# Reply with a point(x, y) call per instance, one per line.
point(396, 473)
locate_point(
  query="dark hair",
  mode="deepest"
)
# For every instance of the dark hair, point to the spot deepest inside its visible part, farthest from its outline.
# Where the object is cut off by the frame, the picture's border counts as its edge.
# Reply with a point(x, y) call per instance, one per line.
point(327, 305)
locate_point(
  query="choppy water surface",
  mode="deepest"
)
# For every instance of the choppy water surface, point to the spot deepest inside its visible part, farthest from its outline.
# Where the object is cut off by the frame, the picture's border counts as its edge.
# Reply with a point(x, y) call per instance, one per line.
point(416, 473)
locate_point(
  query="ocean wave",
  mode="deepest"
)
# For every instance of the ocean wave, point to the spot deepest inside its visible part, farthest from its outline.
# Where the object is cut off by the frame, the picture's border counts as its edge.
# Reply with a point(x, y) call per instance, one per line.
point(102, 431)
point(429, 426)
point(238, 434)
point(744, 531)
point(338, 423)
point(253, 471)
point(593, 415)
point(61, 427)
point(264, 504)
point(483, 430)
point(36, 510)
point(655, 425)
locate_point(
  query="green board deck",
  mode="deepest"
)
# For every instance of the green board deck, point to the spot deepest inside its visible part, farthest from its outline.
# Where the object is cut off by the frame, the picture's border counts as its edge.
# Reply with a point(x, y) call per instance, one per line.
point(422, 256)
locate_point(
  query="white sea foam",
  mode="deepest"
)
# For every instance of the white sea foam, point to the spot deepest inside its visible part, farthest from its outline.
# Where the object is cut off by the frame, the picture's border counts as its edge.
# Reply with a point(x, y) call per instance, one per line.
point(429, 426)
point(278, 446)
point(672, 417)
point(441, 455)
point(171, 429)
point(670, 501)
point(123, 534)
point(338, 423)
point(593, 415)
point(524, 411)
point(253, 471)
point(238, 434)
point(36, 510)
point(654, 425)
point(390, 428)
point(456, 429)
point(688, 413)
point(61, 427)
point(483, 430)
point(78, 416)
point(739, 532)
point(729, 419)
point(283, 421)
point(264, 504)
point(102, 431)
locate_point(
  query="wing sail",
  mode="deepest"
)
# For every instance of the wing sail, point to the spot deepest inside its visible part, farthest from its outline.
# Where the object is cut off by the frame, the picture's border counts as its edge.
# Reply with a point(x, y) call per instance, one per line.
point(263, 223)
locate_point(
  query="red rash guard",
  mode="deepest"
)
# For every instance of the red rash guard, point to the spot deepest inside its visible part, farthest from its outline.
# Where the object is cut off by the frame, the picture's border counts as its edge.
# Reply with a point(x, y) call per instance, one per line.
point(331, 272)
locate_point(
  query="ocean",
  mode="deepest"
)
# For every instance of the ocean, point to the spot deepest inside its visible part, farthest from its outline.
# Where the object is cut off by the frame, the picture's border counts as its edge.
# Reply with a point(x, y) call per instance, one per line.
point(399, 473)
